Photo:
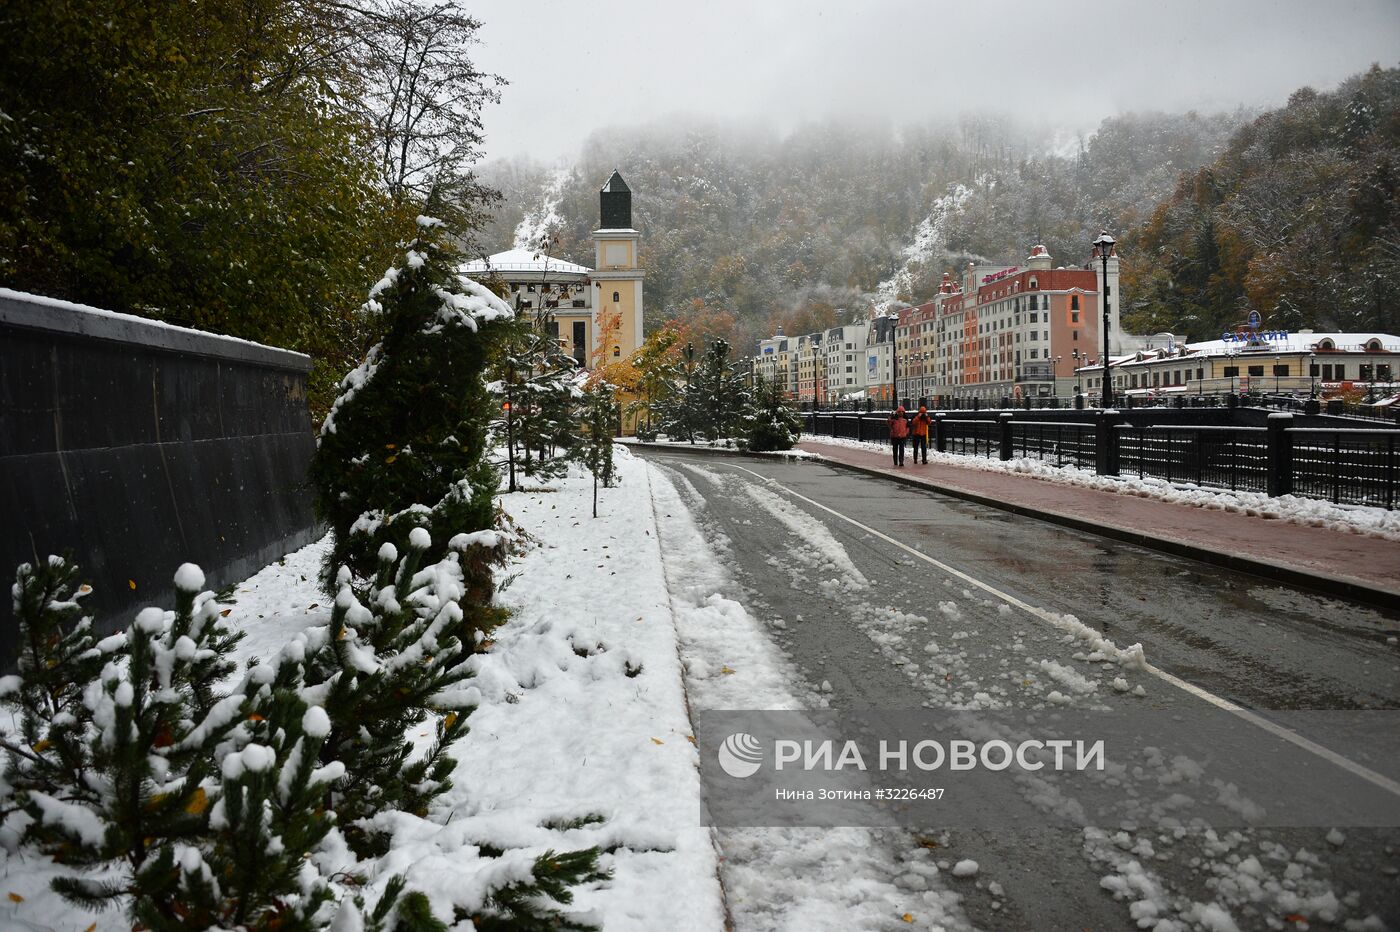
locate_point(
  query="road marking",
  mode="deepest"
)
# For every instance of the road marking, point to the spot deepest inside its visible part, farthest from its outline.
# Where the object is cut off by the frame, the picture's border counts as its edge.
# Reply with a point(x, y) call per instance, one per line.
point(1051, 618)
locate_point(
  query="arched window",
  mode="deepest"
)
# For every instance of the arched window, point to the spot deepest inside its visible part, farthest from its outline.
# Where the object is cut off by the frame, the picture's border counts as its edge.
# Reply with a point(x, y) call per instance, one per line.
point(616, 297)
point(1373, 345)
point(617, 351)
point(1034, 284)
point(1326, 345)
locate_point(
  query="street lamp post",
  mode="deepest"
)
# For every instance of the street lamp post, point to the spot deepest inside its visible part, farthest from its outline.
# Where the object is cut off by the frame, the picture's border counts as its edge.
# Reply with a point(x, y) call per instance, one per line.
point(1312, 375)
point(1104, 244)
point(1276, 365)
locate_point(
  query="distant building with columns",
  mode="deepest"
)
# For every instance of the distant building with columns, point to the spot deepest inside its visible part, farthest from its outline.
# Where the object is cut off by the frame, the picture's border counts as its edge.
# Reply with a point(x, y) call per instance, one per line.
point(598, 312)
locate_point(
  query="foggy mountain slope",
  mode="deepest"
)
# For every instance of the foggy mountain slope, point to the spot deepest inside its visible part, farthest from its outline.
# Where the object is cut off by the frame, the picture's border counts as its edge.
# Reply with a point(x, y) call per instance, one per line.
point(1299, 219)
point(836, 216)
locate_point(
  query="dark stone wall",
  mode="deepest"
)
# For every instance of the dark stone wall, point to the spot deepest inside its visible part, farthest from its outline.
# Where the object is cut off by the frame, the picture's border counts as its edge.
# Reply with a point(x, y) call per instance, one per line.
point(137, 446)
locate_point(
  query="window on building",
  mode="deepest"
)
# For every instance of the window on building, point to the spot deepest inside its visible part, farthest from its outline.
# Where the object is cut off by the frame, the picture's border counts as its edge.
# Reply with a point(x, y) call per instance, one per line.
point(1074, 304)
point(1340, 371)
point(1075, 334)
point(1366, 370)
point(1280, 370)
point(1315, 370)
point(616, 297)
point(1034, 285)
point(1200, 375)
point(1383, 371)
point(1231, 372)
point(1256, 370)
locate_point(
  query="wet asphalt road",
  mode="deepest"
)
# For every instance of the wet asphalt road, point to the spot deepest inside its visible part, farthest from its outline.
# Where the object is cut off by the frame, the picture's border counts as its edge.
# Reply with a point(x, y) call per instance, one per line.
point(1250, 641)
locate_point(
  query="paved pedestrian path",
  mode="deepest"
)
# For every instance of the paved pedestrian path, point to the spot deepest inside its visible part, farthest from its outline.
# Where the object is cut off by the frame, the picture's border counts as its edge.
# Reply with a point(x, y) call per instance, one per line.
point(1325, 558)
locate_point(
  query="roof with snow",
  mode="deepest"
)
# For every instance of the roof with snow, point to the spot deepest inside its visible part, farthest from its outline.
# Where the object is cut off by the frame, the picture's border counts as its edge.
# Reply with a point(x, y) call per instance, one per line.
point(615, 184)
point(522, 261)
point(1286, 343)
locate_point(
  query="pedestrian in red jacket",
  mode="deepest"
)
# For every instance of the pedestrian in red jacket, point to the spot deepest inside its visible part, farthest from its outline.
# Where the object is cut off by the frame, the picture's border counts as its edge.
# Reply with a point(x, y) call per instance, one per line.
point(899, 432)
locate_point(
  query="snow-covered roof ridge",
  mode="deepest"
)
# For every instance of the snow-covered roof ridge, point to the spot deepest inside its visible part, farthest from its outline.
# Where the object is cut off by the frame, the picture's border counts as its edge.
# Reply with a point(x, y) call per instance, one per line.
point(522, 260)
point(1296, 342)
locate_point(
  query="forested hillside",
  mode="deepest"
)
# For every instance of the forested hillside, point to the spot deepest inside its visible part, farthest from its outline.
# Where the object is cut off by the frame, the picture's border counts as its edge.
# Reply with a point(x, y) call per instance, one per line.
point(790, 230)
point(1298, 218)
point(1292, 212)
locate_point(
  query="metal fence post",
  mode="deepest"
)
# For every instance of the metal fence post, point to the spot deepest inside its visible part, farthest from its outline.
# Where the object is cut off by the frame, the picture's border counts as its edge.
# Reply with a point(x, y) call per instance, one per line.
point(1106, 443)
point(860, 426)
point(940, 433)
point(1280, 455)
point(1005, 437)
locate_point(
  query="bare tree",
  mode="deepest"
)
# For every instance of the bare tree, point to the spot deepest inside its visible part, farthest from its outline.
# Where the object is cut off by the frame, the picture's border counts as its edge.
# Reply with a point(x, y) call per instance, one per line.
point(425, 99)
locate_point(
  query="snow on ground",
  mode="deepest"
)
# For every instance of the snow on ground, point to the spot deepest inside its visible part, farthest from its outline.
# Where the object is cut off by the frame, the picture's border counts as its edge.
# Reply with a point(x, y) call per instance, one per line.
point(782, 878)
point(1358, 519)
point(582, 717)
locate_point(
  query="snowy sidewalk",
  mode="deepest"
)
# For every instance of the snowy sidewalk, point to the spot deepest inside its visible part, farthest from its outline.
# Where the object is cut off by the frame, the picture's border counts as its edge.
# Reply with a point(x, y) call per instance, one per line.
point(1257, 537)
point(582, 736)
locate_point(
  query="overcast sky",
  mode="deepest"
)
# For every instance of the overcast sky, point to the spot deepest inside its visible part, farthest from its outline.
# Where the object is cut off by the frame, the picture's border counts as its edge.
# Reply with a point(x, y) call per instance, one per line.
point(575, 66)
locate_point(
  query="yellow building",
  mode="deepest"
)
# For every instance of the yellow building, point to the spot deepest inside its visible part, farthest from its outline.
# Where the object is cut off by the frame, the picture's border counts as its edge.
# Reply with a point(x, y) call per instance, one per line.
point(617, 274)
point(598, 312)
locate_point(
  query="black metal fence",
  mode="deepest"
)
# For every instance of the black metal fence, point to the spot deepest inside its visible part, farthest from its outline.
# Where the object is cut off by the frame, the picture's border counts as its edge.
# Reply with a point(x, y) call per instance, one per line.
point(1354, 466)
point(1342, 464)
point(1234, 458)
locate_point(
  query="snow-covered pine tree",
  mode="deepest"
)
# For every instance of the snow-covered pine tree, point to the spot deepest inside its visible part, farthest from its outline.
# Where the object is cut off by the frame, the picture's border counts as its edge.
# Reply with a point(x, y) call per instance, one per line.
point(54, 660)
point(771, 423)
point(392, 656)
point(718, 394)
point(404, 444)
point(599, 425)
point(125, 764)
point(536, 379)
point(670, 408)
point(252, 866)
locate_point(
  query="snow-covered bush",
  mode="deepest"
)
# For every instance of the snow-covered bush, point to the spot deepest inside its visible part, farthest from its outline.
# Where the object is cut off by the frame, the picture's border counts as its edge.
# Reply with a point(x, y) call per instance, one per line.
point(403, 446)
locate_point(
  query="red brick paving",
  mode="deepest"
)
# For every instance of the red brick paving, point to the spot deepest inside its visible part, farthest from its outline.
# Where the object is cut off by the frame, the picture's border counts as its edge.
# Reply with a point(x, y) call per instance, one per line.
point(1371, 561)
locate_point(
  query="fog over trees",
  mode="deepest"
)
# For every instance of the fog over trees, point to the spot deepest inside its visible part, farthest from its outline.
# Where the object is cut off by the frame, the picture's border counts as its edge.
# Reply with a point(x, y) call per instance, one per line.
point(1291, 211)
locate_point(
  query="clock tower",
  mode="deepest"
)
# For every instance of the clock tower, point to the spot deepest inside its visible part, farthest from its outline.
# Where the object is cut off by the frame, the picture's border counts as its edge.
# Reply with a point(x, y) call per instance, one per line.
point(617, 273)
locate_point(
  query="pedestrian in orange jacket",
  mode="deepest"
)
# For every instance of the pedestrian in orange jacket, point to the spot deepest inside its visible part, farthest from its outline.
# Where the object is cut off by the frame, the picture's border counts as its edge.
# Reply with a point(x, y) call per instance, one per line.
point(920, 433)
